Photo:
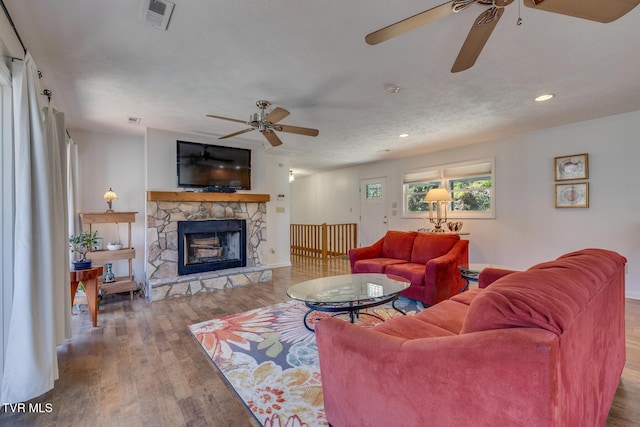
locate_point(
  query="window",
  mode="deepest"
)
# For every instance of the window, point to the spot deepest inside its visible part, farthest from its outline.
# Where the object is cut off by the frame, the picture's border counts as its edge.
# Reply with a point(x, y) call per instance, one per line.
point(470, 184)
point(373, 191)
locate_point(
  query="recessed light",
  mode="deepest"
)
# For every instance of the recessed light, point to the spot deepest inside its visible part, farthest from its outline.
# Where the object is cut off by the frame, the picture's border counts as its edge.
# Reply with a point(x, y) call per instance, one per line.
point(392, 89)
point(403, 135)
point(544, 97)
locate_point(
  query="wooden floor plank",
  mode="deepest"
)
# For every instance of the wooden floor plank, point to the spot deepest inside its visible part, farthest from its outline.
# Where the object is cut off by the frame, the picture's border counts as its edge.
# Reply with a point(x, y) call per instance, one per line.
point(141, 366)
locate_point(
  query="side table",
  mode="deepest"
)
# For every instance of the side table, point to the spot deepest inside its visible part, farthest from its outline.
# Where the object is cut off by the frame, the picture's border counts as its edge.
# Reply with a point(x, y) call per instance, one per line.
point(471, 272)
point(89, 278)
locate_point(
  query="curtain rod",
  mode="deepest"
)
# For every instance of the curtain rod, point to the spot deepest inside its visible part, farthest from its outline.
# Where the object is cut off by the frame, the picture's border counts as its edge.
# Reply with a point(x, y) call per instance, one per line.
point(15, 30)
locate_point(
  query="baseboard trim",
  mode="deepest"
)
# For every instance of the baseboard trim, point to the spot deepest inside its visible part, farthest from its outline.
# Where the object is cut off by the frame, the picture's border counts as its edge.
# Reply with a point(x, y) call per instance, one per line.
point(280, 264)
point(632, 295)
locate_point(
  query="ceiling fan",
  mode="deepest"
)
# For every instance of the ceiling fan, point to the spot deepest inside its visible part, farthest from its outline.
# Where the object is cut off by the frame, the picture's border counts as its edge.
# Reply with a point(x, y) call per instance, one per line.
point(267, 124)
point(593, 10)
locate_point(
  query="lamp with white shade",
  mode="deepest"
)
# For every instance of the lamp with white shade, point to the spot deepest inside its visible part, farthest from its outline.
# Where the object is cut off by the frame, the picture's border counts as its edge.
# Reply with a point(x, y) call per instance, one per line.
point(110, 196)
point(440, 197)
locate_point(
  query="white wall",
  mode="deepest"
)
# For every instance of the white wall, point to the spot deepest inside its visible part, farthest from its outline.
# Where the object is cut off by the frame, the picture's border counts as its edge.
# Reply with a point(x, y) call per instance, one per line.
point(278, 212)
point(528, 228)
point(116, 161)
point(269, 175)
point(331, 197)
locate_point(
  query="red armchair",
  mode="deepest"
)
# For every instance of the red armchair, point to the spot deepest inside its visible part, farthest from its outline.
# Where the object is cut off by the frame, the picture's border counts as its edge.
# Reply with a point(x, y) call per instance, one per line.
point(429, 261)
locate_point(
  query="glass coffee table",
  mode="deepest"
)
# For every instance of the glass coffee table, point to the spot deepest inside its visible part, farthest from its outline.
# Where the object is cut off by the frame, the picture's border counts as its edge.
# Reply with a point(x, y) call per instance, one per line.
point(348, 294)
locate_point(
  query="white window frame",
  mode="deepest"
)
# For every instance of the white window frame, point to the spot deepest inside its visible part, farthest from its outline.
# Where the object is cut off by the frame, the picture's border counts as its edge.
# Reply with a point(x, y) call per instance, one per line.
point(446, 173)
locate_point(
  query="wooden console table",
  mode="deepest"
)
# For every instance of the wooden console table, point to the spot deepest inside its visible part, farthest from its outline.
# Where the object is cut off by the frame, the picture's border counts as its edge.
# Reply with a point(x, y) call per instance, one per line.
point(124, 283)
point(89, 279)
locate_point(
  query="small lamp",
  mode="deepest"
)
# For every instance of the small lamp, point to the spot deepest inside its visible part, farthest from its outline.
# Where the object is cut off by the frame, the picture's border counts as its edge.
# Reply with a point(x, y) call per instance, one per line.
point(441, 197)
point(110, 196)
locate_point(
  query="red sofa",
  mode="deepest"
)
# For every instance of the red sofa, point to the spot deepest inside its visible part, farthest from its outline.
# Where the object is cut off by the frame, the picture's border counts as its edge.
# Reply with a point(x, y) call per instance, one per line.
point(542, 347)
point(429, 261)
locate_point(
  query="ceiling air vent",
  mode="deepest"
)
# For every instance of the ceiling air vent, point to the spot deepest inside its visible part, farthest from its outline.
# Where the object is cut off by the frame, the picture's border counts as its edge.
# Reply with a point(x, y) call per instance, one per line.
point(156, 13)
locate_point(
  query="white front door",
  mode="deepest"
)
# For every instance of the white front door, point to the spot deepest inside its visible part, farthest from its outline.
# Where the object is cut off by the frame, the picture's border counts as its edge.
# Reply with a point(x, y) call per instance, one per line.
point(373, 210)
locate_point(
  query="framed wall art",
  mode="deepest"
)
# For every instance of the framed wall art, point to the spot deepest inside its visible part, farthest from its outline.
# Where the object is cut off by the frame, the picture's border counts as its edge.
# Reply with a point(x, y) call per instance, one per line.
point(572, 167)
point(575, 195)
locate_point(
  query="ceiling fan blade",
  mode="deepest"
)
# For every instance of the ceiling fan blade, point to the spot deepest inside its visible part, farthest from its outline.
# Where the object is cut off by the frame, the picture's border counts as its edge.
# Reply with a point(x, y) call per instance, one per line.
point(276, 115)
point(237, 133)
point(298, 130)
point(411, 23)
point(227, 118)
point(271, 137)
point(477, 38)
point(592, 10)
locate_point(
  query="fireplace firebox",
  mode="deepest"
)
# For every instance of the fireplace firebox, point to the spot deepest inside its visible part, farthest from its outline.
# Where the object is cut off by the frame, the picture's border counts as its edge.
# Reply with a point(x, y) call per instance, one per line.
point(211, 245)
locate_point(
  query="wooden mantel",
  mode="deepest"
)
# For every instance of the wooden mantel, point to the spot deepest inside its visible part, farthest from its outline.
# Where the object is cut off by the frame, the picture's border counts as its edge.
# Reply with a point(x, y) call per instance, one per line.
point(193, 196)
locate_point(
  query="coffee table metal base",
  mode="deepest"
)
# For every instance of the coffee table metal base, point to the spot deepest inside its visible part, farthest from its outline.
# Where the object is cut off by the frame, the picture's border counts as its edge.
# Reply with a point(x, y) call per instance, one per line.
point(354, 310)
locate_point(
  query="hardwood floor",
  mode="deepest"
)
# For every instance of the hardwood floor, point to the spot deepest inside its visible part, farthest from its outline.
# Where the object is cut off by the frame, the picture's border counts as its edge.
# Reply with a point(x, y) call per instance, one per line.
point(142, 367)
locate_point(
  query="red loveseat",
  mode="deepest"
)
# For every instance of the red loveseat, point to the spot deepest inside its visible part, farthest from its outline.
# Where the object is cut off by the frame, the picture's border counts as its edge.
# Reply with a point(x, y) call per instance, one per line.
point(542, 347)
point(429, 261)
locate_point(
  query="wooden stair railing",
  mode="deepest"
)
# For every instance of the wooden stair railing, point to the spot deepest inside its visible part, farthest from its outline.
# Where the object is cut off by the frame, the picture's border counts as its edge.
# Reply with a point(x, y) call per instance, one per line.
point(323, 240)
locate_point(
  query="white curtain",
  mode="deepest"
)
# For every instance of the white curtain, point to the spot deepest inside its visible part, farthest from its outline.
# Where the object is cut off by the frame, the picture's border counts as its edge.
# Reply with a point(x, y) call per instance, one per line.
point(75, 226)
point(41, 312)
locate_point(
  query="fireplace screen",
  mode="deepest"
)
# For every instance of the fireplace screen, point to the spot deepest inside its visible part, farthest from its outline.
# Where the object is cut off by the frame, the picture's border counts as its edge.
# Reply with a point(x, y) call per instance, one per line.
point(211, 245)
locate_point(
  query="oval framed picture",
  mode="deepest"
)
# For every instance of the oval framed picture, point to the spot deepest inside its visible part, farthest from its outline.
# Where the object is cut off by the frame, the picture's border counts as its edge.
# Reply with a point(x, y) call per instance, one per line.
point(575, 195)
point(571, 167)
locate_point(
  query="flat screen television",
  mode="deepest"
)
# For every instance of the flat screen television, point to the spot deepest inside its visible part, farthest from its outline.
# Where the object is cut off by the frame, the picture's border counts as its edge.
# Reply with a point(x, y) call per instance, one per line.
point(213, 166)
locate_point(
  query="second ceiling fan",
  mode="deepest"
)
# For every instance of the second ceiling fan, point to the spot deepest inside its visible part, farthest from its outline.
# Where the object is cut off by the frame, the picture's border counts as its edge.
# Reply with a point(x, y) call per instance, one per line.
point(267, 124)
point(593, 10)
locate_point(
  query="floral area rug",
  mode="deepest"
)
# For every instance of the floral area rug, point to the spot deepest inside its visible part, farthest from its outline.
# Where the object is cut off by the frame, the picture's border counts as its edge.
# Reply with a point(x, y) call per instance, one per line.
point(271, 359)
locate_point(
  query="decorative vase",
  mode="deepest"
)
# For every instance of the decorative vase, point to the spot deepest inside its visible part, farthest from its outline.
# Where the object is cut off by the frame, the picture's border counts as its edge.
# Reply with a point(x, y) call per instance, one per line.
point(82, 265)
point(454, 226)
point(109, 277)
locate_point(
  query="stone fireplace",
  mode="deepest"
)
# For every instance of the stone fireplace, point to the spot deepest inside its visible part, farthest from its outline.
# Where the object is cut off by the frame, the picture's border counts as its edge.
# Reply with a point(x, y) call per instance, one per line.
point(237, 216)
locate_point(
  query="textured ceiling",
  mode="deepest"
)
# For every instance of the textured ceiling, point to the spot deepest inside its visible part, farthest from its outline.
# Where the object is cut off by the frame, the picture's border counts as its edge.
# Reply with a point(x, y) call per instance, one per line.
point(104, 64)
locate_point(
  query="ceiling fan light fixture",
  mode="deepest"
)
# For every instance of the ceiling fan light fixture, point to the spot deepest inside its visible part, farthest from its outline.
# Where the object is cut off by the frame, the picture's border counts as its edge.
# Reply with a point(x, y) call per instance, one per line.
point(267, 124)
point(255, 118)
point(544, 97)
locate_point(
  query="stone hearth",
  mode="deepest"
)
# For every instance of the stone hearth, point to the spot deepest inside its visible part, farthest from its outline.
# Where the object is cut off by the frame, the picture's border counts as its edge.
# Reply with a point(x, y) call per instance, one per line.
point(162, 246)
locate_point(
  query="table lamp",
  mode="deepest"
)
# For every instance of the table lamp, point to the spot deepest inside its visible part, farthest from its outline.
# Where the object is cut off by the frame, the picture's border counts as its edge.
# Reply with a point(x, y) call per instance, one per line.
point(110, 196)
point(441, 197)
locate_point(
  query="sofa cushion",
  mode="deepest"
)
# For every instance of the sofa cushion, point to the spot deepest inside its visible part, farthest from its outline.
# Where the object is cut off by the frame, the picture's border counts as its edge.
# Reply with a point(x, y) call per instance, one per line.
point(409, 328)
point(547, 296)
point(428, 246)
point(466, 297)
point(398, 244)
point(408, 270)
point(447, 314)
point(375, 265)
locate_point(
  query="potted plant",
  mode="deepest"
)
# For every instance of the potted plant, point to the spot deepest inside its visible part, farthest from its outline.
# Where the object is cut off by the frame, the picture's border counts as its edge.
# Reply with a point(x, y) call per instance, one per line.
point(83, 243)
